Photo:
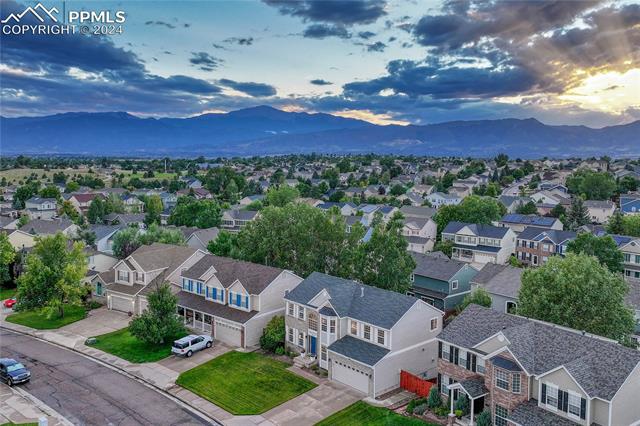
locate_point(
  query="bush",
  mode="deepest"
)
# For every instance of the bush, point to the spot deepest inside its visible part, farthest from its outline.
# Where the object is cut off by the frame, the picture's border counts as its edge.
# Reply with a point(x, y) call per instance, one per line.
point(458, 413)
point(280, 350)
point(273, 336)
point(434, 400)
point(420, 409)
point(92, 304)
point(411, 406)
point(462, 404)
point(484, 418)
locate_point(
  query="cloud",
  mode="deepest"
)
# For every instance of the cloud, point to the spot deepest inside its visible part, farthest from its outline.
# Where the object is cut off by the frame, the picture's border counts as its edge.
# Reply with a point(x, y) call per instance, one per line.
point(249, 88)
point(205, 61)
point(378, 46)
point(320, 82)
point(366, 35)
point(161, 24)
point(241, 41)
point(321, 31)
point(342, 12)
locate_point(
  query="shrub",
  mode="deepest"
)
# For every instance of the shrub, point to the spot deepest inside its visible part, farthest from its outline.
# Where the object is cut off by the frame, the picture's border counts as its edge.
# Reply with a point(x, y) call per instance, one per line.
point(273, 336)
point(484, 418)
point(280, 350)
point(458, 413)
point(411, 406)
point(420, 409)
point(93, 304)
point(434, 400)
point(462, 404)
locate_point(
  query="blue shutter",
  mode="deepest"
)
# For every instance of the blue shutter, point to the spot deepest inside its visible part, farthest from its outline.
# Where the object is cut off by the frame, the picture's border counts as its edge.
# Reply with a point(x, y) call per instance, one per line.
point(207, 291)
point(239, 300)
point(184, 283)
point(214, 296)
point(246, 302)
point(230, 301)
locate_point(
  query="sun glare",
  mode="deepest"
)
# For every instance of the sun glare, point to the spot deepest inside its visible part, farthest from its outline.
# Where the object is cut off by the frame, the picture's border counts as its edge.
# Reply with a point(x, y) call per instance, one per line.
point(611, 91)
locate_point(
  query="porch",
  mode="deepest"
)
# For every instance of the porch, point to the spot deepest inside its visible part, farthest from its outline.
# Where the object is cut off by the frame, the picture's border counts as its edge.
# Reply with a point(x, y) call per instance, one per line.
point(476, 391)
point(196, 320)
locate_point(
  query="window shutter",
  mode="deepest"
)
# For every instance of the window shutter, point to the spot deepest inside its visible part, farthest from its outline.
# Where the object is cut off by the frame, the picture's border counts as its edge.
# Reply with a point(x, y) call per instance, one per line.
point(468, 366)
point(457, 353)
point(583, 408)
point(474, 364)
point(560, 399)
point(207, 289)
point(451, 353)
point(439, 350)
point(565, 402)
point(544, 394)
point(215, 293)
point(440, 381)
point(247, 302)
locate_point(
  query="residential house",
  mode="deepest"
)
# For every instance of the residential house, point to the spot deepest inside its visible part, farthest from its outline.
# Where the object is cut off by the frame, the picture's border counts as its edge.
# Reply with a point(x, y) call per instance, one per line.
point(518, 222)
point(234, 220)
point(197, 193)
point(422, 189)
point(105, 235)
point(98, 261)
point(81, 202)
point(125, 286)
point(551, 198)
point(362, 335)
point(8, 223)
point(346, 209)
point(231, 299)
point(169, 199)
point(631, 262)
point(422, 212)
point(414, 198)
point(199, 238)
point(128, 219)
point(132, 204)
point(535, 245)
point(531, 373)
point(420, 233)
point(41, 208)
point(630, 203)
point(502, 282)
point(25, 237)
point(438, 199)
point(600, 210)
point(633, 300)
point(192, 183)
point(480, 243)
point(440, 281)
point(250, 199)
point(512, 203)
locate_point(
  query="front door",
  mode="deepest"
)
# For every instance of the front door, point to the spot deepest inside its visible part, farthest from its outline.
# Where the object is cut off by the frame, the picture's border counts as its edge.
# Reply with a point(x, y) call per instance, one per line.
point(312, 345)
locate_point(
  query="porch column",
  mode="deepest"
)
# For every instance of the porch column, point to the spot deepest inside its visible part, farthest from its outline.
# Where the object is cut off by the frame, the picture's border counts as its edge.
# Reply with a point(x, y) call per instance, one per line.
point(451, 401)
point(471, 420)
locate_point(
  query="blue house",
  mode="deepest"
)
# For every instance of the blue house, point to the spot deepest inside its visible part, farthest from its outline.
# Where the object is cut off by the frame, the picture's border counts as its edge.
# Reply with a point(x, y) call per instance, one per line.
point(440, 281)
point(630, 203)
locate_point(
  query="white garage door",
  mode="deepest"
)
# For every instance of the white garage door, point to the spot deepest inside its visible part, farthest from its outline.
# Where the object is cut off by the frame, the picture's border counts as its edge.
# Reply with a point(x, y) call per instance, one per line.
point(228, 333)
point(142, 304)
point(349, 376)
point(121, 304)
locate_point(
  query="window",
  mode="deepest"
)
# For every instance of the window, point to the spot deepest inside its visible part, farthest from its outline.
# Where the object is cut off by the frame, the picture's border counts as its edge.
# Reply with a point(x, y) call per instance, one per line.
point(290, 311)
point(300, 312)
point(123, 276)
point(290, 335)
point(502, 379)
point(301, 339)
point(323, 353)
point(480, 365)
point(515, 383)
point(434, 323)
point(367, 332)
point(354, 328)
point(511, 307)
point(139, 276)
point(199, 287)
point(552, 396)
point(323, 324)
point(454, 285)
point(501, 416)
point(575, 405)
point(381, 337)
point(413, 278)
point(445, 351)
point(98, 288)
point(332, 326)
point(462, 358)
point(313, 321)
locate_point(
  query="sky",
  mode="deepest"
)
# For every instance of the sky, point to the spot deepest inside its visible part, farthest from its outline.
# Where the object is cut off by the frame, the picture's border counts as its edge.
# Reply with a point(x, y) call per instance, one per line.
point(384, 61)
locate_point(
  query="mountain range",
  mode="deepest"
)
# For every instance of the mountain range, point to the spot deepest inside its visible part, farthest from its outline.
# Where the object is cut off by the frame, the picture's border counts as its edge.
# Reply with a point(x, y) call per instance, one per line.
point(264, 130)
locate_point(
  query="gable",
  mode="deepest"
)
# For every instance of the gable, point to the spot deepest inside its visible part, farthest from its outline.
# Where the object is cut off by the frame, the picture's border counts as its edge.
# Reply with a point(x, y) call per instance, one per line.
point(493, 343)
point(561, 378)
point(237, 287)
point(466, 231)
point(320, 299)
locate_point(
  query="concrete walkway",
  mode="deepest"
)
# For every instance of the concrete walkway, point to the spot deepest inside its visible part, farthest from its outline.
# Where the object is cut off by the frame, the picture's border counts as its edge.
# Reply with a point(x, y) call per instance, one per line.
point(18, 406)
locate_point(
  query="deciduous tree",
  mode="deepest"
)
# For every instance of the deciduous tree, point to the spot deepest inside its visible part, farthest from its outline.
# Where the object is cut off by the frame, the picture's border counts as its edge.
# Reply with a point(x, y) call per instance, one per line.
point(604, 248)
point(159, 321)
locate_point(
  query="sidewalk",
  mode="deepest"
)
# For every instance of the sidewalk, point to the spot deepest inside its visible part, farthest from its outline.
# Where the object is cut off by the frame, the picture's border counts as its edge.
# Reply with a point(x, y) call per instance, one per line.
point(17, 406)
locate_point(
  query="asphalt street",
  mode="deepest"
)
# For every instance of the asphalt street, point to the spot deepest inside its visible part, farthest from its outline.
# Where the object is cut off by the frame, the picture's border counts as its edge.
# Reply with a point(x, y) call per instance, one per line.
point(88, 393)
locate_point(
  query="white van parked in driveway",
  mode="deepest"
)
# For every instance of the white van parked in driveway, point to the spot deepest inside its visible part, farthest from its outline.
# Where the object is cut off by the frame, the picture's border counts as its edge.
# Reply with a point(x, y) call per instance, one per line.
point(190, 344)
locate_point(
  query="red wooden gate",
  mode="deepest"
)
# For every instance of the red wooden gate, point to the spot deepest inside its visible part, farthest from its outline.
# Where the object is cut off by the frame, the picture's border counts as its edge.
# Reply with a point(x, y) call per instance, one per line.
point(415, 384)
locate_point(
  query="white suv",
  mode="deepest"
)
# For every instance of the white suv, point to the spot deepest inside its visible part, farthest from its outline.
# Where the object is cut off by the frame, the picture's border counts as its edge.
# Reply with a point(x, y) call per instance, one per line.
point(190, 344)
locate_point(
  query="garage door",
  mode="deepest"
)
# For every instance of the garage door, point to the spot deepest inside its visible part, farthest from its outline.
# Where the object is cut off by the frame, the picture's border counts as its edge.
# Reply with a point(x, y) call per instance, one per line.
point(121, 304)
point(349, 376)
point(227, 333)
point(142, 304)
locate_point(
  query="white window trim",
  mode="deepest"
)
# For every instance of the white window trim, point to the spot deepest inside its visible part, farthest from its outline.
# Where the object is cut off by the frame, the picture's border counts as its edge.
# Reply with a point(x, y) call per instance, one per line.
point(556, 389)
point(454, 285)
point(569, 413)
point(431, 322)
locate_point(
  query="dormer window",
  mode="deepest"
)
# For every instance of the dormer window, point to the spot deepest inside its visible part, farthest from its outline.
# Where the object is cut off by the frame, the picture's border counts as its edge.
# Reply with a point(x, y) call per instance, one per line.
point(123, 276)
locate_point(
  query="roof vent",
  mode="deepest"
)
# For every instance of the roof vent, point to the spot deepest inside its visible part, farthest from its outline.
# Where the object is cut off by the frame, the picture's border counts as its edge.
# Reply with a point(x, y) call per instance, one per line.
point(361, 291)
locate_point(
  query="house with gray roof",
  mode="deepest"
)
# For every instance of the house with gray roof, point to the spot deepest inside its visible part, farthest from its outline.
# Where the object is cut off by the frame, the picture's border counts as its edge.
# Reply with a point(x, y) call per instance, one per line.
point(531, 373)
point(440, 281)
point(512, 202)
point(518, 222)
point(41, 208)
point(234, 220)
point(502, 282)
point(125, 286)
point(231, 299)
point(600, 211)
point(536, 245)
point(362, 335)
point(420, 234)
point(479, 243)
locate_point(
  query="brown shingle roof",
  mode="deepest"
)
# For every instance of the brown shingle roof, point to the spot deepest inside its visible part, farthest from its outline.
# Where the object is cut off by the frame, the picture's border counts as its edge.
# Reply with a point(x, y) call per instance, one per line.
point(161, 256)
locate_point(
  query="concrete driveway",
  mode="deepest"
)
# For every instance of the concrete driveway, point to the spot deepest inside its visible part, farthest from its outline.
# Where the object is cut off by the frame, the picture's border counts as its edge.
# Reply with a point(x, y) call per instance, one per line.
point(180, 364)
point(98, 321)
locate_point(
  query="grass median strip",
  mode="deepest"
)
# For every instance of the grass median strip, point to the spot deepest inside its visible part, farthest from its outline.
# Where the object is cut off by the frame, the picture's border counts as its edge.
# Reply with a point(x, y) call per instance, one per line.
point(123, 344)
point(244, 383)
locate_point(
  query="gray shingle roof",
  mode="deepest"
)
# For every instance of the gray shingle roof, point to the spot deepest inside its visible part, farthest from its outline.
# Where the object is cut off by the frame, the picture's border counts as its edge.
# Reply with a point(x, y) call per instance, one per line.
point(534, 233)
point(529, 414)
point(373, 305)
point(199, 303)
point(480, 230)
point(161, 256)
point(526, 219)
point(598, 365)
point(46, 227)
point(359, 350)
point(436, 267)
point(503, 280)
point(254, 277)
point(474, 386)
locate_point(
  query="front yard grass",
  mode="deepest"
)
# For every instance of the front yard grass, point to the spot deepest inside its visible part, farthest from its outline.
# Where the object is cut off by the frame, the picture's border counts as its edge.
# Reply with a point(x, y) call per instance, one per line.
point(361, 413)
point(37, 318)
point(7, 293)
point(244, 383)
point(123, 344)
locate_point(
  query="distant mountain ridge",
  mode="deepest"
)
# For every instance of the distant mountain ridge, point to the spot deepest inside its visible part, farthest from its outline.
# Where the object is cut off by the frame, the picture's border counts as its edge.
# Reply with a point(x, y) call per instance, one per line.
point(264, 130)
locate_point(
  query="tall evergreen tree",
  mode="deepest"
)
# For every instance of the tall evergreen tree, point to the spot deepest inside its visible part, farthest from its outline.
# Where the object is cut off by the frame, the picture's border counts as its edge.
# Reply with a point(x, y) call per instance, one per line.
point(616, 223)
point(578, 214)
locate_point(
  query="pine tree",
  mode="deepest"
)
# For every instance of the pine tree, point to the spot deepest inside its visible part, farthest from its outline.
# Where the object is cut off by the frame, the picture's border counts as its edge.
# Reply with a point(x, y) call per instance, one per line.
point(578, 214)
point(616, 223)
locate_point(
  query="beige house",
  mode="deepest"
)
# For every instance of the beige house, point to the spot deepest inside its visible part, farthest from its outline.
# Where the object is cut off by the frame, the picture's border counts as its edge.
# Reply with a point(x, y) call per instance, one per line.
point(480, 244)
point(600, 211)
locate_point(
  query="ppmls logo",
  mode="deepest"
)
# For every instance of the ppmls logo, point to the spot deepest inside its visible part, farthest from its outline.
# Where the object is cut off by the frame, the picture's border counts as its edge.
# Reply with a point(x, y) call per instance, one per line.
point(34, 12)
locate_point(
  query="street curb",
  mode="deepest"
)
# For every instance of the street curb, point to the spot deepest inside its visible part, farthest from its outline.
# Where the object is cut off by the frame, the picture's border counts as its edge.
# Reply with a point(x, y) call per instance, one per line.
point(180, 401)
point(42, 406)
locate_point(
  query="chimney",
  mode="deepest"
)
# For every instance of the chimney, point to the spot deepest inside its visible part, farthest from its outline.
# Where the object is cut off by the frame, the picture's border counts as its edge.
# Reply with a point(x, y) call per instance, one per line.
point(361, 291)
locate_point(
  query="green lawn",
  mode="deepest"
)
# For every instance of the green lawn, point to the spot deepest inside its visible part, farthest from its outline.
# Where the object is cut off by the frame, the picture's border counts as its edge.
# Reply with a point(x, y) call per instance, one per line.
point(38, 319)
point(19, 424)
point(244, 383)
point(6, 293)
point(362, 413)
point(123, 344)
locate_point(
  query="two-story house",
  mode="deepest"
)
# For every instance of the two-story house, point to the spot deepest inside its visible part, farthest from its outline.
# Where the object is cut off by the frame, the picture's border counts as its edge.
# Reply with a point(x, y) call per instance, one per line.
point(234, 220)
point(600, 211)
point(440, 281)
point(478, 243)
point(362, 335)
point(531, 373)
point(346, 209)
point(41, 208)
point(81, 202)
point(420, 234)
point(231, 299)
point(518, 222)
point(132, 203)
point(631, 261)
point(438, 199)
point(535, 245)
point(125, 286)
